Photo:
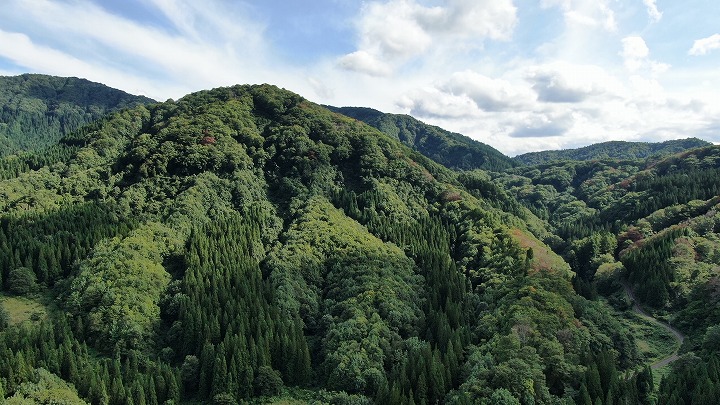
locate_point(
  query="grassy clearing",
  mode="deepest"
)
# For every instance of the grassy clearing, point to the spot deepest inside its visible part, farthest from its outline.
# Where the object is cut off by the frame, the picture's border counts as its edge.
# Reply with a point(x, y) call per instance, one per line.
point(659, 373)
point(543, 258)
point(654, 341)
point(23, 309)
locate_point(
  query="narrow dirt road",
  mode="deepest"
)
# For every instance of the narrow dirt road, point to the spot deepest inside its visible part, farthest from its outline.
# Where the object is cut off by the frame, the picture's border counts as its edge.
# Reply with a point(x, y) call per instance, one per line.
point(676, 333)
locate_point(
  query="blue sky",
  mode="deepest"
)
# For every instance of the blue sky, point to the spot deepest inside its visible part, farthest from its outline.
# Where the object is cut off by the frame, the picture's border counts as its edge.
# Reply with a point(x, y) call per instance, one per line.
point(520, 75)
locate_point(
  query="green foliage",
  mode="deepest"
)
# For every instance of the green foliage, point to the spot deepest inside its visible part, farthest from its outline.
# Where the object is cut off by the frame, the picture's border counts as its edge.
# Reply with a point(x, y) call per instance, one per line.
point(4, 317)
point(649, 269)
point(692, 381)
point(44, 387)
point(13, 166)
point(50, 243)
point(216, 309)
point(21, 281)
point(369, 293)
point(502, 396)
point(268, 382)
point(55, 352)
point(117, 289)
point(38, 110)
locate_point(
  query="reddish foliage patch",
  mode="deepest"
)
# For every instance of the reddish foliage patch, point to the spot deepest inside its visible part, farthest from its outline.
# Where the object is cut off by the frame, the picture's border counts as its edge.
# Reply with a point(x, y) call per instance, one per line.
point(207, 140)
point(625, 184)
point(450, 196)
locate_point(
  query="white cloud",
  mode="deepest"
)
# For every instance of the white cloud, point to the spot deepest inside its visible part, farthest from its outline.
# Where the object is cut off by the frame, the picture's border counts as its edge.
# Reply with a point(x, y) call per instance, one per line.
point(634, 52)
point(488, 94)
point(432, 102)
point(636, 56)
point(479, 19)
point(22, 51)
point(543, 125)
point(574, 104)
point(397, 31)
point(468, 94)
point(705, 45)
point(563, 82)
point(321, 88)
point(587, 13)
point(652, 10)
point(365, 62)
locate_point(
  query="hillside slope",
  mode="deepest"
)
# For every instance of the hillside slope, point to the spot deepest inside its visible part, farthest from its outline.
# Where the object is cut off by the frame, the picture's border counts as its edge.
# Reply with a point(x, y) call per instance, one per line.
point(648, 227)
point(38, 110)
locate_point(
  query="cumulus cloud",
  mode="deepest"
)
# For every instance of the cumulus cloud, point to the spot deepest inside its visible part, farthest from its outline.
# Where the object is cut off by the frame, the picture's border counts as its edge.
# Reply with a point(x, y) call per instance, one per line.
point(636, 56)
point(705, 45)
point(571, 83)
point(397, 31)
point(541, 127)
point(487, 93)
point(365, 62)
point(652, 10)
point(468, 93)
point(588, 13)
point(432, 102)
point(634, 52)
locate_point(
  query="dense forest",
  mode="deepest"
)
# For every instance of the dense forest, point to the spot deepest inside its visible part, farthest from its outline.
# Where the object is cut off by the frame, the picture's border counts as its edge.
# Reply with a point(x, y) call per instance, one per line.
point(38, 110)
point(243, 244)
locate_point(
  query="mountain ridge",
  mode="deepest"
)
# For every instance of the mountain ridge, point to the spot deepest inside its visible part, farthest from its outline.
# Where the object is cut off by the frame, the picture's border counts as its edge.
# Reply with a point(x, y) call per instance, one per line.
point(450, 149)
point(613, 150)
point(38, 109)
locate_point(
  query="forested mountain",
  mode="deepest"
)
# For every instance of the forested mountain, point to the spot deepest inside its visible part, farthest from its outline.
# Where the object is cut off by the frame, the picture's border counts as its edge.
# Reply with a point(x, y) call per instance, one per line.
point(578, 197)
point(245, 243)
point(38, 110)
point(651, 227)
point(447, 148)
point(613, 150)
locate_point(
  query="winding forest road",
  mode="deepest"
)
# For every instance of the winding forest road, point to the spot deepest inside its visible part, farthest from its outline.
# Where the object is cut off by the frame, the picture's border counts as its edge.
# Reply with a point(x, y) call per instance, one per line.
point(676, 333)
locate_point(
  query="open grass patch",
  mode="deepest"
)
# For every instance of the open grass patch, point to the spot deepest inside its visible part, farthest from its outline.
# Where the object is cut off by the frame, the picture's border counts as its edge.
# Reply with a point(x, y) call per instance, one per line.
point(543, 257)
point(654, 342)
point(23, 309)
point(659, 373)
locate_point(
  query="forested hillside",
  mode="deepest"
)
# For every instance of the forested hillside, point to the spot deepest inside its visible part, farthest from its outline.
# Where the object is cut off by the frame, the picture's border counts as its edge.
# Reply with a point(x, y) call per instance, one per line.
point(244, 243)
point(649, 226)
point(450, 149)
point(37, 110)
point(613, 150)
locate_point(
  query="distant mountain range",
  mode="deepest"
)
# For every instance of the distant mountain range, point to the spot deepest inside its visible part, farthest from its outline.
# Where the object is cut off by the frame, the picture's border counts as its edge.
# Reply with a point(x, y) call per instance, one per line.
point(613, 150)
